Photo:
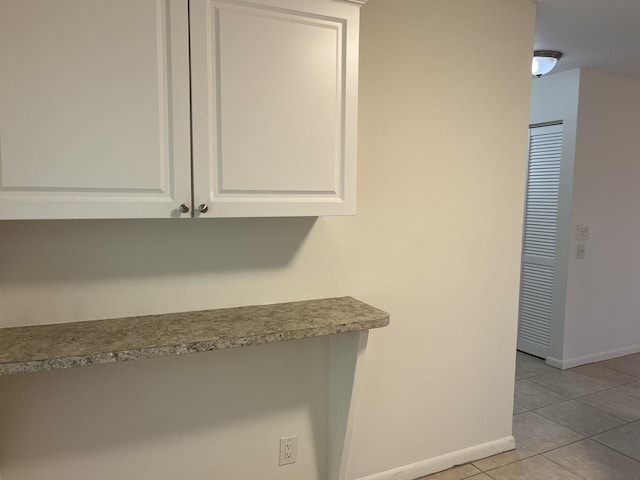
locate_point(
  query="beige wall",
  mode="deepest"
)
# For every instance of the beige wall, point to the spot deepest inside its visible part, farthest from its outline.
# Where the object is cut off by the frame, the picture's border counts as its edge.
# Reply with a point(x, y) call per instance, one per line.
point(599, 188)
point(602, 295)
point(555, 98)
point(436, 242)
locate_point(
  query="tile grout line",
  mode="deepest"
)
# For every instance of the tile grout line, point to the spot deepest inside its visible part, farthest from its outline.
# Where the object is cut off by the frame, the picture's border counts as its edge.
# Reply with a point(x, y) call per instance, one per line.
point(488, 472)
point(580, 400)
point(626, 422)
point(563, 467)
point(590, 437)
point(617, 451)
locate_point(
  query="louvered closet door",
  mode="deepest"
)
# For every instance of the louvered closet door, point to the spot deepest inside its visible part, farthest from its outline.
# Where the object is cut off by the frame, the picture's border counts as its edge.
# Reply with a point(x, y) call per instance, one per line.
point(540, 239)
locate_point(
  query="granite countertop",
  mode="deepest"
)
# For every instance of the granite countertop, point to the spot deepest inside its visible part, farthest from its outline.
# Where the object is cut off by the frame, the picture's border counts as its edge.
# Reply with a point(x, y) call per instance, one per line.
point(65, 345)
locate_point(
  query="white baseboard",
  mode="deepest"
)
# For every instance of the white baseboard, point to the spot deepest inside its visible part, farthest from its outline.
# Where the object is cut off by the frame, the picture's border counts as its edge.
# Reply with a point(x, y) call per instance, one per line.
point(591, 358)
point(554, 362)
point(437, 464)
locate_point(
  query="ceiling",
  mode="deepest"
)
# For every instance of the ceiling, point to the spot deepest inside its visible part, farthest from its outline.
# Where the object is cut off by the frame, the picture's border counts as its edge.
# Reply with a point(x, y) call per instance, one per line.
point(599, 34)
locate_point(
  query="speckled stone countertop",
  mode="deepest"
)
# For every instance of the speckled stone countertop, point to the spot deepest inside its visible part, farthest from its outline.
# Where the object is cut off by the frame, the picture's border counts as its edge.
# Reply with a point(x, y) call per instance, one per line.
point(65, 345)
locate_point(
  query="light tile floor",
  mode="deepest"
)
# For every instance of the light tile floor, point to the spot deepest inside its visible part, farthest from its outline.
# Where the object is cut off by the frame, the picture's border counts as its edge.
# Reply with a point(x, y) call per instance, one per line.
point(577, 424)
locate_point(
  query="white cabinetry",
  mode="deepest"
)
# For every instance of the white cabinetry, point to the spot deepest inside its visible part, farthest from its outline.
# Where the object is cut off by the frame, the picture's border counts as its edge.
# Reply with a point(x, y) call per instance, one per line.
point(94, 108)
point(107, 110)
point(274, 102)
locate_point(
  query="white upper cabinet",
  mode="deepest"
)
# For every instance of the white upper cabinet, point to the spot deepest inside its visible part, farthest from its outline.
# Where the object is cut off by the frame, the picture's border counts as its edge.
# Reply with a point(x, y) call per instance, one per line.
point(94, 108)
point(274, 106)
point(107, 111)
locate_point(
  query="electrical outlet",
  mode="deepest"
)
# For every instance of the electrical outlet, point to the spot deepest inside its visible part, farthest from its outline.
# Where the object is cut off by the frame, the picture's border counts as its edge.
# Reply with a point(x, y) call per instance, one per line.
point(581, 251)
point(288, 450)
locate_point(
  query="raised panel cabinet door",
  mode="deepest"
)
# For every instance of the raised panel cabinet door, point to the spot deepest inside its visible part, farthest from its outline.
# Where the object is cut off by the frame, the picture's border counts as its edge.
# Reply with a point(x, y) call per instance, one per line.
point(94, 109)
point(274, 107)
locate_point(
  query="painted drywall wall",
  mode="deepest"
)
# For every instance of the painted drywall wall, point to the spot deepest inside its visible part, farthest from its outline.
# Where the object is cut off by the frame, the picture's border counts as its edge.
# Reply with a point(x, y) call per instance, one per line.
point(595, 314)
point(602, 300)
point(446, 193)
point(555, 98)
point(199, 416)
point(436, 242)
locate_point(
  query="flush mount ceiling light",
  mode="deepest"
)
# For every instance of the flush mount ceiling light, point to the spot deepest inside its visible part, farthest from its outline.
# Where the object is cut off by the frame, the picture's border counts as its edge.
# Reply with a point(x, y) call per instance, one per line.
point(544, 61)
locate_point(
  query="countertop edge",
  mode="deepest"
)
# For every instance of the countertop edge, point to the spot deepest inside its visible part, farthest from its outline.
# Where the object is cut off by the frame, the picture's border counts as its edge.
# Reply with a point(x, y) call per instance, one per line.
point(378, 319)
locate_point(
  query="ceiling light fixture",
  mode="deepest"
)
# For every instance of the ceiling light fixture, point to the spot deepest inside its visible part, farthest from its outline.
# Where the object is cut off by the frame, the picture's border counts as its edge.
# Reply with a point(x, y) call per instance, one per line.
point(544, 61)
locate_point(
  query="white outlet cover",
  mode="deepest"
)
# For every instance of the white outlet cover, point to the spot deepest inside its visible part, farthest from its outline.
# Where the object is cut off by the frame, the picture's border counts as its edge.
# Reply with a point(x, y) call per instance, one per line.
point(288, 450)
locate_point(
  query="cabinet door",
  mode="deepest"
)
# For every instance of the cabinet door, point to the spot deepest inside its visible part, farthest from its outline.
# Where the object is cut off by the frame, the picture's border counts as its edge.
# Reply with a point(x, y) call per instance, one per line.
point(94, 108)
point(274, 106)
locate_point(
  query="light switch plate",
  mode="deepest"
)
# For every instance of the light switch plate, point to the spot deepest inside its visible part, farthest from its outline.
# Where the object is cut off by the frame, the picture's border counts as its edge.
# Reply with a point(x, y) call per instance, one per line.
point(581, 251)
point(583, 232)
